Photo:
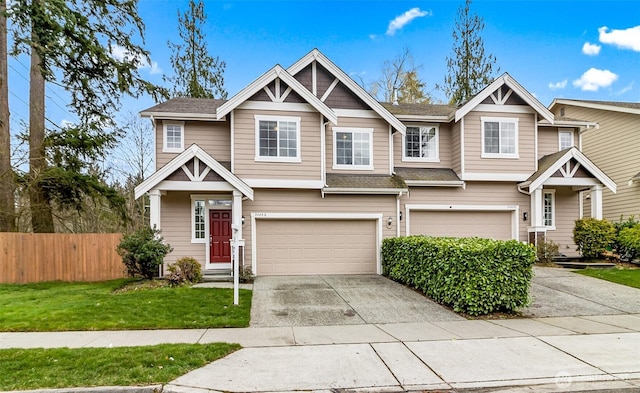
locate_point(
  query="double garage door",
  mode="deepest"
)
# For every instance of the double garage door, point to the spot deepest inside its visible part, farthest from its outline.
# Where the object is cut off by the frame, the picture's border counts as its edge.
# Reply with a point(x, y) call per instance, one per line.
point(293, 246)
point(490, 224)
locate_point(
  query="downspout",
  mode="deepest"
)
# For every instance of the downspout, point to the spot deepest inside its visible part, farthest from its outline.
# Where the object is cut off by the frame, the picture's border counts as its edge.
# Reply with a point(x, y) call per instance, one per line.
point(398, 214)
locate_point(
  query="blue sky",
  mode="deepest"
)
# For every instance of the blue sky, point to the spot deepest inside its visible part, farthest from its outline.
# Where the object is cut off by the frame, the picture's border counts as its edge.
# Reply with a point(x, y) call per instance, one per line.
point(564, 48)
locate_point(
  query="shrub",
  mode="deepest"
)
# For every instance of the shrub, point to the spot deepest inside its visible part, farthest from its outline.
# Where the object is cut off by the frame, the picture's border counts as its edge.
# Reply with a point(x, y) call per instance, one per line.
point(185, 270)
point(546, 250)
point(593, 237)
point(625, 253)
point(246, 274)
point(142, 252)
point(471, 275)
point(629, 239)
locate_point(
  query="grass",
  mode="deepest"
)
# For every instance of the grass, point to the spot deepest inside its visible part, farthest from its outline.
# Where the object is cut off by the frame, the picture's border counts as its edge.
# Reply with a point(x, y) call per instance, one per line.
point(60, 306)
point(628, 277)
point(23, 369)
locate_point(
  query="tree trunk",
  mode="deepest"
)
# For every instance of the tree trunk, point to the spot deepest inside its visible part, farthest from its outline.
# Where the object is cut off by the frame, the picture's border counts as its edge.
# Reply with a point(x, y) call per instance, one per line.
point(41, 215)
point(7, 187)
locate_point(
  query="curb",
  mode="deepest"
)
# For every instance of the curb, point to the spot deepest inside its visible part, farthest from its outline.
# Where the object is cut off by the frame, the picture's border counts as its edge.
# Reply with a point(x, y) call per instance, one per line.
point(97, 389)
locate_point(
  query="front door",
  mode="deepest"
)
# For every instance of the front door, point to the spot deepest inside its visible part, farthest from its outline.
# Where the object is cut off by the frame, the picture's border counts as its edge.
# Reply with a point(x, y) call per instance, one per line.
point(219, 236)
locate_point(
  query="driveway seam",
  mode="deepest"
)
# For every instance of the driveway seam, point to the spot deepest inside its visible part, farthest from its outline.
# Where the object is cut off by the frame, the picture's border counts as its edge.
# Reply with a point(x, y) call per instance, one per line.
point(575, 357)
point(344, 300)
point(580, 297)
point(385, 364)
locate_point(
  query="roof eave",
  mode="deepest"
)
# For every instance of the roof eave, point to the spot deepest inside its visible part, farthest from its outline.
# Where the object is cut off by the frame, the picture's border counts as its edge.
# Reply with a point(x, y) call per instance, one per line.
point(435, 183)
point(181, 116)
point(375, 191)
point(592, 105)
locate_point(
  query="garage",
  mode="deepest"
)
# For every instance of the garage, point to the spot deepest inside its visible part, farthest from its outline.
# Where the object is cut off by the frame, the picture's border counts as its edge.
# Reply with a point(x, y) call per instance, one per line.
point(465, 223)
point(298, 246)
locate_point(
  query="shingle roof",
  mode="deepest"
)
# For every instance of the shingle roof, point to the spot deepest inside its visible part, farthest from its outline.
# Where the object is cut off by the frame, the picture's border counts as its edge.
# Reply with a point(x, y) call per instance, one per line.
point(364, 181)
point(546, 162)
point(632, 105)
point(419, 109)
point(427, 174)
point(188, 105)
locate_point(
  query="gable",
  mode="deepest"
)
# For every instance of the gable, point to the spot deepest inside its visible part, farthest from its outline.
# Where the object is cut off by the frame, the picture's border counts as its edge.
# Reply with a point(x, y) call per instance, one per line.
point(504, 96)
point(194, 169)
point(277, 91)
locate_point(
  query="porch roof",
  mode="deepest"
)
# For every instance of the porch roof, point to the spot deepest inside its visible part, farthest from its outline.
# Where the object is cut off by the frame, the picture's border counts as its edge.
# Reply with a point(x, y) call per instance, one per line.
point(429, 176)
point(364, 184)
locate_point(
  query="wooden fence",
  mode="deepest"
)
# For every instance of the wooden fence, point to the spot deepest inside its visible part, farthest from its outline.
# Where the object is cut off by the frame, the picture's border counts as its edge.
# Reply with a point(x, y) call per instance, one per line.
point(36, 257)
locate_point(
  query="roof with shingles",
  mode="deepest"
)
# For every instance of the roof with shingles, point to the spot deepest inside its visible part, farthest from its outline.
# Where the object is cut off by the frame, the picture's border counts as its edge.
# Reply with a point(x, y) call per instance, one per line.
point(632, 105)
point(419, 109)
point(187, 105)
point(427, 174)
point(547, 162)
point(364, 181)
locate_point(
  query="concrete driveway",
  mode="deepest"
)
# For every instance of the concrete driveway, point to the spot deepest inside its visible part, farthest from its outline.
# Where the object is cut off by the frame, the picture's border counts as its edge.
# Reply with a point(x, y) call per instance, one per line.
point(339, 300)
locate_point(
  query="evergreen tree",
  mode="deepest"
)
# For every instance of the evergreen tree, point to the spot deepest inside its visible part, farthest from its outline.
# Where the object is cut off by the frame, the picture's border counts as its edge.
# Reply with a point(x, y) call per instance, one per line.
point(412, 89)
point(196, 73)
point(469, 68)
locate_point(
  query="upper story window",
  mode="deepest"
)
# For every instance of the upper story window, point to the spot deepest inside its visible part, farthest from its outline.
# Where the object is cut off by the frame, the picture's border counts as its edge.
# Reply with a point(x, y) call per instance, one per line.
point(499, 137)
point(277, 138)
point(352, 148)
point(421, 144)
point(173, 137)
point(565, 138)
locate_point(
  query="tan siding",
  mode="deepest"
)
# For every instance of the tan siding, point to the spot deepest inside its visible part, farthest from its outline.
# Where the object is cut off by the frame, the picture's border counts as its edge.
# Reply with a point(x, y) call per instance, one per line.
point(455, 148)
point(311, 201)
point(245, 133)
point(380, 144)
point(475, 193)
point(495, 224)
point(473, 162)
point(444, 146)
point(176, 228)
point(614, 148)
point(549, 142)
point(212, 137)
point(567, 212)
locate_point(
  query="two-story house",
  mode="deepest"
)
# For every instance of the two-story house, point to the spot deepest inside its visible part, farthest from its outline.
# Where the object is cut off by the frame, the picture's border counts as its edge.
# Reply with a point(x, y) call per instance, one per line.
point(614, 145)
point(312, 172)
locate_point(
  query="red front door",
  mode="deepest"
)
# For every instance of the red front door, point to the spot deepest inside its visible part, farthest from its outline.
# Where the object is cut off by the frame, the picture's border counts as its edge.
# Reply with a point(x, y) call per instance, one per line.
point(220, 236)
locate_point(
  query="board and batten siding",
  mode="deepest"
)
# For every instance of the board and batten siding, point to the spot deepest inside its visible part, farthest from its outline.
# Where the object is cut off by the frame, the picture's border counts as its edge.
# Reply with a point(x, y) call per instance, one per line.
point(245, 164)
point(311, 201)
point(212, 136)
point(614, 147)
point(175, 222)
point(473, 161)
point(380, 145)
point(444, 148)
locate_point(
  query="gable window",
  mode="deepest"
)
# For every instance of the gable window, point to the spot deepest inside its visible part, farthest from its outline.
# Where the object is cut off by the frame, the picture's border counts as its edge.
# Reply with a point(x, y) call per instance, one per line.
point(421, 144)
point(565, 139)
point(499, 137)
point(198, 221)
point(353, 148)
point(549, 209)
point(173, 137)
point(277, 138)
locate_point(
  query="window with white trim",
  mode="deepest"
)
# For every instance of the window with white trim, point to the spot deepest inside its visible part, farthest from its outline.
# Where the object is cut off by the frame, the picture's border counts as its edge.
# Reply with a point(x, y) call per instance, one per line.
point(277, 138)
point(499, 137)
point(352, 148)
point(565, 139)
point(421, 144)
point(173, 137)
point(198, 234)
point(549, 209)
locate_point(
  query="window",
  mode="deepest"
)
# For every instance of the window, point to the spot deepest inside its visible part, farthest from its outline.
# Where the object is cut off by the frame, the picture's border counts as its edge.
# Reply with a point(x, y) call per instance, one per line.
point(565, 139)
point(549, 209)
point(277, 138)
point(173, 137)
point(500, 137)
point(353, 148)
point(199, 231)
point(421, 144)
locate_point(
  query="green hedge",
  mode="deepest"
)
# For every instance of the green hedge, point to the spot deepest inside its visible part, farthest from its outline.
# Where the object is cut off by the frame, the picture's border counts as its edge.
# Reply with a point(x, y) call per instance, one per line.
point(593, 237)
point(471, 275)
point(629, 240)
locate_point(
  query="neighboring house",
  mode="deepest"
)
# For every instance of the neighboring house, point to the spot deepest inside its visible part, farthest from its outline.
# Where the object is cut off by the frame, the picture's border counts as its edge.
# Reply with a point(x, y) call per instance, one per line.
point(613, 145)
point(313, 173)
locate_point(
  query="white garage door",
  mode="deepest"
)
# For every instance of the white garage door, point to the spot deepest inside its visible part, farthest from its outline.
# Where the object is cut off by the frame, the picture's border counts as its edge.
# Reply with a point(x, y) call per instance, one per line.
point(489, 224)
point(316, 247)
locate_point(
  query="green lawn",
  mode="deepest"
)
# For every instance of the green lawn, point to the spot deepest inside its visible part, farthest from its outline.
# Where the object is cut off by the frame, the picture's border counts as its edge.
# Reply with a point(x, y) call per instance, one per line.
point(22, 369)
point(628, 277)
point(57, 306)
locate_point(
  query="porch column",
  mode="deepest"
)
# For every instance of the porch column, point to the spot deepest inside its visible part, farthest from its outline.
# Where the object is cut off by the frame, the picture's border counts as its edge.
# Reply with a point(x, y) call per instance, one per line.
point(596, 201)
point(154, 208)
point(537, 208)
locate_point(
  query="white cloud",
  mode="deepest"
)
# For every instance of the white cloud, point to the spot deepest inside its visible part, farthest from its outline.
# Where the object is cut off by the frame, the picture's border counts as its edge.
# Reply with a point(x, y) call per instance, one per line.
point(120, 53)
point(591, 49)
point(594, 79)
point(627, 88)
point(64, 123)
point(401, 20)
point(623, 39)
point(558, 85)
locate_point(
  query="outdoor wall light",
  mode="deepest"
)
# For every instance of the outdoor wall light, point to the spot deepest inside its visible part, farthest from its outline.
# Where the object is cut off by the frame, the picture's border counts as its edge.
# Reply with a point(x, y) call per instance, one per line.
point(525, 215)
point(242, 220)
point(400, 216)
point(390, 221)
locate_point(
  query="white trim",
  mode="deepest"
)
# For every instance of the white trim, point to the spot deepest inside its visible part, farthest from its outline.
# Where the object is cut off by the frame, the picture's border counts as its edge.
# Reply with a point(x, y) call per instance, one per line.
point(421, 159)
point(181, 116)
point(314, 79)
point(316, 55)
point(427, 118)
point(367, 191)
point(488, 176)
point(276, 106)
point(571, 181)
point(278, 119)
point(378, 217)
point(329, 89)
point(552, 192)
point(282, 183)
point(323, 150)
point(499, 120)
point(391, 159)
point(205, 198)
point(166, 149)
point(592, 105)
point(353, 130)
point(462, 147)
point(176, 185)
point(565, 131)
point(434, 183)
point(155, 141)
point(535, 142)
point(233, 140)
point(515, 209)
point(520, 109)
point(504, 79)
point(357, 113)
point(272, 97)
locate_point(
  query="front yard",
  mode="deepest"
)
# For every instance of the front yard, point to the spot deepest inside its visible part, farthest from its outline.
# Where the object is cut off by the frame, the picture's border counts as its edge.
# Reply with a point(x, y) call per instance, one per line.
point(628, 277)
point(62, 306)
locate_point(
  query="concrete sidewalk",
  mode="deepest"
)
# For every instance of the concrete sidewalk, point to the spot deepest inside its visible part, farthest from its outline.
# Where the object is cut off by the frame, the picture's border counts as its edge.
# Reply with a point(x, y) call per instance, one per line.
point(552, 353)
